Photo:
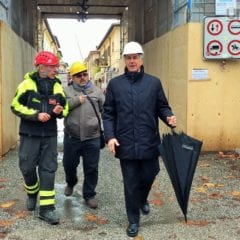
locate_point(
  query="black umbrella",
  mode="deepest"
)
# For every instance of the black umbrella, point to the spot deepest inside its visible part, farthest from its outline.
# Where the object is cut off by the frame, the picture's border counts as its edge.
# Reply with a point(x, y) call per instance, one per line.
point(180, 154)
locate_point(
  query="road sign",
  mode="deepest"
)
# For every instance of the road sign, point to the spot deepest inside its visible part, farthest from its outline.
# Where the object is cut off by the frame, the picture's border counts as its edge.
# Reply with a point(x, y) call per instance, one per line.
point(234, 27)
point(214, 48)
point(221, 38)
point(214, 27)
point(234, 47)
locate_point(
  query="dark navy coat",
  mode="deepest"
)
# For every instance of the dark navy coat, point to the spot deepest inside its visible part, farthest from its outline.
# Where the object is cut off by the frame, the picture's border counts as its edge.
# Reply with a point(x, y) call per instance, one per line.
point(134, 103)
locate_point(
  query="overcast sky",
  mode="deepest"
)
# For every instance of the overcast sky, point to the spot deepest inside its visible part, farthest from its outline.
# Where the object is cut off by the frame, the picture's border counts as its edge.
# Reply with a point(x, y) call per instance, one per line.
point(76, 38)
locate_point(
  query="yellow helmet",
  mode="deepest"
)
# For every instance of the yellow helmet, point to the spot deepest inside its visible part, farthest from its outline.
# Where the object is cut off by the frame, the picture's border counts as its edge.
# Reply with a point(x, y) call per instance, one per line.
point(77, 67)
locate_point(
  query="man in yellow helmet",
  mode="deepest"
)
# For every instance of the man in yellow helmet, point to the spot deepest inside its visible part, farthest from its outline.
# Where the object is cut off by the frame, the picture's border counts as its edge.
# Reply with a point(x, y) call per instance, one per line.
point(82, 133)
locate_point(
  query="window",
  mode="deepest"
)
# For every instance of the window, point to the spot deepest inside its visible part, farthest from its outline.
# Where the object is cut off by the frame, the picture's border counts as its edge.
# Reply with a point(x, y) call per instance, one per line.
point(180, 12)
point(202, 8)
point(112, 46)
point(192, 10)
point(4, 4)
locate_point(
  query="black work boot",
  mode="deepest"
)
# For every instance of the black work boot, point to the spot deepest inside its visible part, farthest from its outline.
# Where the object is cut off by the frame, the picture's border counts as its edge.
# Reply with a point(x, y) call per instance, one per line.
point(49, 215)
point(31, 202)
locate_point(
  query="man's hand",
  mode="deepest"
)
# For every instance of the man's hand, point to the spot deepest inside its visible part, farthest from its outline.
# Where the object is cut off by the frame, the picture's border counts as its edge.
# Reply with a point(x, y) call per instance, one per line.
point(82, 98)
point(172, 121)
point(43, 117)
point(57, 109)
point(112, 143)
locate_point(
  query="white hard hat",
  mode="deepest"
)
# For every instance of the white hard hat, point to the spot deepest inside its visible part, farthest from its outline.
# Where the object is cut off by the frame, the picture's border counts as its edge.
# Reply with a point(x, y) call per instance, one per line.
point(132, 48)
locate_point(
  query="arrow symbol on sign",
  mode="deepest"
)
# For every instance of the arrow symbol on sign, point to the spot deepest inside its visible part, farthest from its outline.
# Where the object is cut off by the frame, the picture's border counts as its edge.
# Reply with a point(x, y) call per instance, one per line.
point(212, 28)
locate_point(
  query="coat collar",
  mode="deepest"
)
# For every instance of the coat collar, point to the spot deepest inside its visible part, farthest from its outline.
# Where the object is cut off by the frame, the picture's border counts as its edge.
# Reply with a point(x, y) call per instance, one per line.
point(134, 76)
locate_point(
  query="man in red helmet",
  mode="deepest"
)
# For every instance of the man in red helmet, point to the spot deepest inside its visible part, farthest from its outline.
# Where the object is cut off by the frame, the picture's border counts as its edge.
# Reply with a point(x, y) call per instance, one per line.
point(38, 101)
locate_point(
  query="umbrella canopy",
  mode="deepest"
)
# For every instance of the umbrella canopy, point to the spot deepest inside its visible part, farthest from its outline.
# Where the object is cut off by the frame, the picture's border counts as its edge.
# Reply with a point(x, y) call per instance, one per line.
point(180, 154)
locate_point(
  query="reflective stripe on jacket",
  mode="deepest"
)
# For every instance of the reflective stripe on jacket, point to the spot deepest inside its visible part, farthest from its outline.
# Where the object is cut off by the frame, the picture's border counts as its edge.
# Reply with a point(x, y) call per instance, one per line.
point(35, 95)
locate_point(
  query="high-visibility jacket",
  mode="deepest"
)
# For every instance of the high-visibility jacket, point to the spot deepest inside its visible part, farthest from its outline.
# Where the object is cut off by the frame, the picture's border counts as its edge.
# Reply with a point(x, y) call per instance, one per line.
point(35, 95)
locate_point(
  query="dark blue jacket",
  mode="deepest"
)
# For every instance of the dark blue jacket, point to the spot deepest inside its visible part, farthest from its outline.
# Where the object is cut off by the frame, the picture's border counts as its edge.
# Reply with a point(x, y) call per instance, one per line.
point(133, 104)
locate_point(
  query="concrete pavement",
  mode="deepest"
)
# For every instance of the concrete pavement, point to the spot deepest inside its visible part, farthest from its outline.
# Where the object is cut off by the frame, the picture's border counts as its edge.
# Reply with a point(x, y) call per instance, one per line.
point(213, 212)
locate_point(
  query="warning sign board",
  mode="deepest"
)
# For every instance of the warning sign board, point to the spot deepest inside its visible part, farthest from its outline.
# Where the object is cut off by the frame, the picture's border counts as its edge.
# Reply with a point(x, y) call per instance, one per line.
point(221, 38)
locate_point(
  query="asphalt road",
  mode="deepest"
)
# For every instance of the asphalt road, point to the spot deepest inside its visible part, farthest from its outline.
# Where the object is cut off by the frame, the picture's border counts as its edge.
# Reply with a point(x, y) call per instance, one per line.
point(213, 211)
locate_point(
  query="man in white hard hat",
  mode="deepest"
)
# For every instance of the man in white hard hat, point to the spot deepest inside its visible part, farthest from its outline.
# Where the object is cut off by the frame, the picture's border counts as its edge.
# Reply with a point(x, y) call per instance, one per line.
point(134, 102)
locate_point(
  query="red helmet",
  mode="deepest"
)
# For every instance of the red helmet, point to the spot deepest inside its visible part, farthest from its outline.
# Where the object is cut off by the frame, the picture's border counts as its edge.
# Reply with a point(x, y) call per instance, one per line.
point(46, 58)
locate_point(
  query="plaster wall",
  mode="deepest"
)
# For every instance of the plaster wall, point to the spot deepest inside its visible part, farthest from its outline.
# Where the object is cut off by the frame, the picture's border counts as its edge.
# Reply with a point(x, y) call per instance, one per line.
point(206, 109)
point(16, 57)
point(213, 103)
point(166, 58)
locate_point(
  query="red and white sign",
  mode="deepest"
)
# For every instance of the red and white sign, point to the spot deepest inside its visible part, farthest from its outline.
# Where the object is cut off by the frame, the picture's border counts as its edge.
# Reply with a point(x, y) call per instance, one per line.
point(214, 27)
point(221, 38)
point(234, 47)
point(234, 27)
point(214, 48)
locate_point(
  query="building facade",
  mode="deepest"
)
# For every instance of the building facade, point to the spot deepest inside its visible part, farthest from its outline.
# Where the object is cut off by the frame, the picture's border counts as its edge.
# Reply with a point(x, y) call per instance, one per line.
point(203, 92)
point(105, 63)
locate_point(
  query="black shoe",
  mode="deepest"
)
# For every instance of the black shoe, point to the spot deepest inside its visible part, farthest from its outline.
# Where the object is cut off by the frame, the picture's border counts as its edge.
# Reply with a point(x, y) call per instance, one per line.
point(92, 203)
point(132, 229)
point(145, 208)
point(68, 191)
point(49, 216)
point(31, 203)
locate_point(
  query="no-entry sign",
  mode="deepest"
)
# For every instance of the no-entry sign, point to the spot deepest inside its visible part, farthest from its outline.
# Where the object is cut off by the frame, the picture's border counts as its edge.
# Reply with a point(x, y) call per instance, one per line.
point(221, 38)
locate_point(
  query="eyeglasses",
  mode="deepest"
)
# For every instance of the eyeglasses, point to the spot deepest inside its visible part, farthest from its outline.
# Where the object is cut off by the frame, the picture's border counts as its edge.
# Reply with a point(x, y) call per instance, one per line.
point(79, 75)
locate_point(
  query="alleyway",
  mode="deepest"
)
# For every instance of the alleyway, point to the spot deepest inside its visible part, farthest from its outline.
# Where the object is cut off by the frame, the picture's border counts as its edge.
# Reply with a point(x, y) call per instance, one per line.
point(213, 213)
